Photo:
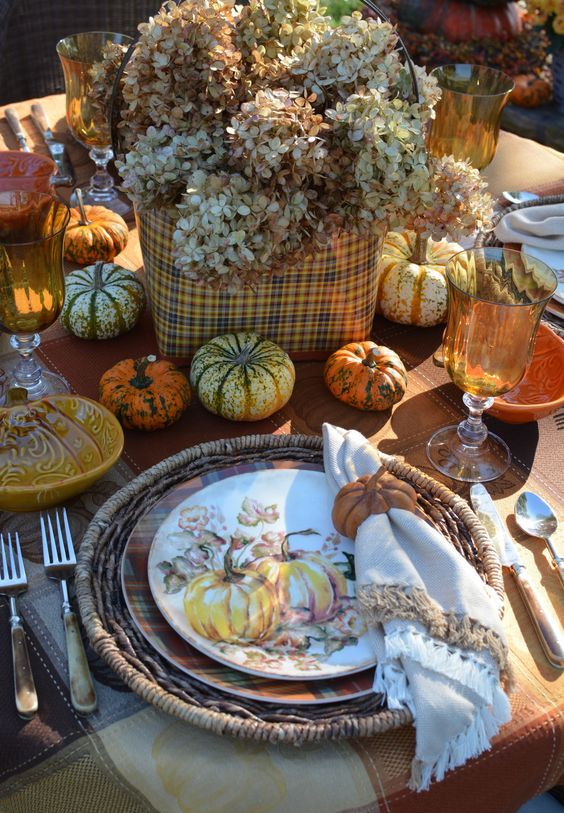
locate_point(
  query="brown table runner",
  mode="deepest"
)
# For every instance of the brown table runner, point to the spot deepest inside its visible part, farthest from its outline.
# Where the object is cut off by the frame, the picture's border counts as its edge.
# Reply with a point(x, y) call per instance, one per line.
point(130, 753)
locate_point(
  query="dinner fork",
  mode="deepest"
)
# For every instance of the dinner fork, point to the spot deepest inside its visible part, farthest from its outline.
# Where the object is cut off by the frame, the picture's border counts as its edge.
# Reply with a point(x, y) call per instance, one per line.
point(59, 560)
point(12, 582)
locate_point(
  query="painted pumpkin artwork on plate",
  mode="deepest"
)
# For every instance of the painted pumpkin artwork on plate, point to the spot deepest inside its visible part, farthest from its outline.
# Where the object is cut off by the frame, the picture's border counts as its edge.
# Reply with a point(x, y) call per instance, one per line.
point(253, 573)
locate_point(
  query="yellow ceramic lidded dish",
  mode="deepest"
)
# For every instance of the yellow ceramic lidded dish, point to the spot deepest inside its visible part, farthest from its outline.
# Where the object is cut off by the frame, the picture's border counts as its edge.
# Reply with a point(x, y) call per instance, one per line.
point(53, 449)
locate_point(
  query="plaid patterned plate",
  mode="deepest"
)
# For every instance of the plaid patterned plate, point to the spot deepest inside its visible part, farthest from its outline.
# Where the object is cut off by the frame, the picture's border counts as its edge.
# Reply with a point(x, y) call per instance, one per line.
point(148, 619)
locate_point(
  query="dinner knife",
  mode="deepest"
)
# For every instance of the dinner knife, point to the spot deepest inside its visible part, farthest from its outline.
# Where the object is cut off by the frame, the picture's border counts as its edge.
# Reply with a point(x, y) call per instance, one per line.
point(15, 126)
point(56, 148)
point(547, 627)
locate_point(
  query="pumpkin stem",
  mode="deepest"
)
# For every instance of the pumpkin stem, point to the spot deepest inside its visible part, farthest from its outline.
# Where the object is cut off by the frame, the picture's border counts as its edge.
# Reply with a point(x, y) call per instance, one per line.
point(98, 284)
point(284, 550)
point(371, 359)
point(231, 575)
point(419, 253)
point(140, 380)
point(83, 219)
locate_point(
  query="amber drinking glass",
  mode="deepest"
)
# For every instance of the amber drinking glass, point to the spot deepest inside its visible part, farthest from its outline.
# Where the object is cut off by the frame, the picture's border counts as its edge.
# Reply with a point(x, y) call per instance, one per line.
point(496, 299)
point(78, 54)
point(469, 111)
point(32, 285)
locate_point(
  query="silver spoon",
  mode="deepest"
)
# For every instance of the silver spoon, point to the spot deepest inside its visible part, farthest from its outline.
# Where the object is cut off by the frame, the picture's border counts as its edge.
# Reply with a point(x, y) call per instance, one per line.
point(519, 197)
point(536, 517)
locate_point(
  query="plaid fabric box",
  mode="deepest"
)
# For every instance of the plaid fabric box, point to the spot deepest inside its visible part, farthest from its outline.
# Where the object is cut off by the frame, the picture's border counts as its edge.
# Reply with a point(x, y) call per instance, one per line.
point(309, 311)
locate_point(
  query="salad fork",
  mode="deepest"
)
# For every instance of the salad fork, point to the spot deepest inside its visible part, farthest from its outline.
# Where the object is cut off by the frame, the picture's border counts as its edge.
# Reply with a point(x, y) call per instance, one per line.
point(12, 582)
point(59, 560)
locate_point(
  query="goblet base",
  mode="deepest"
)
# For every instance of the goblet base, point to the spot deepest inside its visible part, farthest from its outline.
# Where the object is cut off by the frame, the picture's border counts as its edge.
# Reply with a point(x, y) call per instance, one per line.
point(469, 464)
point(109, 198)
point(48, 383)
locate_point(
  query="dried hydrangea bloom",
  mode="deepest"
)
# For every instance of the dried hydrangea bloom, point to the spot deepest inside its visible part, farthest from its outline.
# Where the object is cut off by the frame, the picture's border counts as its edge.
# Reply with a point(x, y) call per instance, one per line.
point(455, 202)
point(279, 135)
point(358, 53)
point(384, 141)
point(184, 70)
point(156, 172)
point(269, 29)
point(231, 233)
point(266, 131)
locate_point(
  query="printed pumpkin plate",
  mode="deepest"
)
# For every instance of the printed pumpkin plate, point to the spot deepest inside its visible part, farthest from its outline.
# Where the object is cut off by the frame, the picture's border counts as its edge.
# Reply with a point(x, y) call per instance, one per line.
point(250, 571)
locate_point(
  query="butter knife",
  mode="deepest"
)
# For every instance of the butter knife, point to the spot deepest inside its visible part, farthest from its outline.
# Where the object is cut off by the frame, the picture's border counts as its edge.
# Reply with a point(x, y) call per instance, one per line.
point(56, 148)
point(547, 627)
point(15, 126)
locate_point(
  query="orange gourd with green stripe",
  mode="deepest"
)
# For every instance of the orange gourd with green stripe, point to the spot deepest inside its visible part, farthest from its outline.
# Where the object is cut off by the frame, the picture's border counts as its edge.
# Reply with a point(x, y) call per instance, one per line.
point(411, 279)
point(242, 376)
point(366, 376)
point(94, 233)
point(145, 393)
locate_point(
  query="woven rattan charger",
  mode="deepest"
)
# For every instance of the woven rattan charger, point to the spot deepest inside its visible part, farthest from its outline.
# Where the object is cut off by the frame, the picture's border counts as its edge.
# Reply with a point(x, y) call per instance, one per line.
point(118, 642)
point(489, 239)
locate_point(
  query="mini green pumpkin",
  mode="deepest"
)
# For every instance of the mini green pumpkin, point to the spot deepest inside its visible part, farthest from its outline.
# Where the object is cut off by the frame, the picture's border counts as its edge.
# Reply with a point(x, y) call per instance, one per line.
point(102, 301)
point(242, 376)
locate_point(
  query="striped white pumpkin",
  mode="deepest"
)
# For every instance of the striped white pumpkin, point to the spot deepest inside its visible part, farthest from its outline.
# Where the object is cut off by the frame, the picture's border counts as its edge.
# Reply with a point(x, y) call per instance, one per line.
point(408, 292)
point(242, 376)
point(102, 301)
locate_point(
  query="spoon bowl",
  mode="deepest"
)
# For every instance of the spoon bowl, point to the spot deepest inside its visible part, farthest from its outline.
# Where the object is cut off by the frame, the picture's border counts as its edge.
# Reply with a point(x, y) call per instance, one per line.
point(535, 516)
point(519, 197)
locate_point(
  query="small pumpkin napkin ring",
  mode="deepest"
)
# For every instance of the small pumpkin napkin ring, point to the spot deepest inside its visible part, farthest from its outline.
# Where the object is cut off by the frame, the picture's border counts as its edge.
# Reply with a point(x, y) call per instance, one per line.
point(371, 494)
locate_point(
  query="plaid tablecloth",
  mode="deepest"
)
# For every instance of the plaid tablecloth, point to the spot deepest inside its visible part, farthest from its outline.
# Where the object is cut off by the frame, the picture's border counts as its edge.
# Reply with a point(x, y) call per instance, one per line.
point(129, 758)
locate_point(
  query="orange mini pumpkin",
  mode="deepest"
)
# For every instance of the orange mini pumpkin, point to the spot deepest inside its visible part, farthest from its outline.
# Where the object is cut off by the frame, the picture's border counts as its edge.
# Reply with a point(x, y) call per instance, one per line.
point(145, 393)
point(366, 375)
point(94, 233)
point(371, 494)
point(530, 90)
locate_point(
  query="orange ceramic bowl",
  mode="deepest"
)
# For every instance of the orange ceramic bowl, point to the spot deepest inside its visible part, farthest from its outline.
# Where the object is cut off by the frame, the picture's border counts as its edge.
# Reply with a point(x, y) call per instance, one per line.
point(542, 389)
point(25, 171)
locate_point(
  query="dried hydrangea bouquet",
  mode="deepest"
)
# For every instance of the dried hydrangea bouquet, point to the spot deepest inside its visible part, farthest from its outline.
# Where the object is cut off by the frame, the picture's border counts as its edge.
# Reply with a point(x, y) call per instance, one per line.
point(262, 131)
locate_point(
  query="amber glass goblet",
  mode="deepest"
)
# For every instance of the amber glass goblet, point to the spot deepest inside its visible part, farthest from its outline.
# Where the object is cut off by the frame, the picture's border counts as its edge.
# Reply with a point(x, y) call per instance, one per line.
point(496, 297)
point(468, 113)
point(78, 54)
point(32, 283)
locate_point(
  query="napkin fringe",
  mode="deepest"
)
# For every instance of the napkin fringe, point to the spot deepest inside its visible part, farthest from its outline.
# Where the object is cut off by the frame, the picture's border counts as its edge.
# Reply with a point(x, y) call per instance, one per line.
point(439, 657)
point(471, 742)
point(390, 680)
point(382, 603)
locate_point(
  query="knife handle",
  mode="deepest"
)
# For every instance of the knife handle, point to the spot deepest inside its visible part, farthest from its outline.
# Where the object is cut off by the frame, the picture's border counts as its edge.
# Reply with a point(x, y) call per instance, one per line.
point(15, 126)
point(547, 627)
point(40, 118)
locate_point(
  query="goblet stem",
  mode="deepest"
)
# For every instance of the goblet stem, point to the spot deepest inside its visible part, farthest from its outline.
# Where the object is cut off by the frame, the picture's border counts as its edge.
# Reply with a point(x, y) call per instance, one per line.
point(468, 452)
point(27, 372)
point(102, 191)
point(473, 432)
point(101, 182)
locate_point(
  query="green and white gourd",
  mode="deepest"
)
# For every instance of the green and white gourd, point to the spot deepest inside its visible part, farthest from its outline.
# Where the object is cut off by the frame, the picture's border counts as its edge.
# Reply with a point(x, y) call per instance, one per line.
point(102, 301)
point(242, 376)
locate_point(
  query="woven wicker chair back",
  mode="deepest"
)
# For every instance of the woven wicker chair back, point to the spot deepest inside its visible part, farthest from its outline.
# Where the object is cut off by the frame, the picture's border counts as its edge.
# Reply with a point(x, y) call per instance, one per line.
point(30, 30)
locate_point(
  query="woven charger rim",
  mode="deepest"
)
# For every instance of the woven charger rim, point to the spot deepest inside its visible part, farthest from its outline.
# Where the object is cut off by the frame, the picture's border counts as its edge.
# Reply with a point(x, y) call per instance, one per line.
point(228, 714)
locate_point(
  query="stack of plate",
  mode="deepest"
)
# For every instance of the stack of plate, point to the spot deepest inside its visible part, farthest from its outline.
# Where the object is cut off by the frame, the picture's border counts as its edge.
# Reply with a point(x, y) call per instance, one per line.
point(306, 642)
point(215, 586)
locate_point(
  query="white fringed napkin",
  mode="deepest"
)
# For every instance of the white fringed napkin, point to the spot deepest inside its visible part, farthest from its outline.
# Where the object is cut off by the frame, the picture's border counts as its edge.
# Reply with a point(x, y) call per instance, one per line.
point(434, 624)
point(540, 226)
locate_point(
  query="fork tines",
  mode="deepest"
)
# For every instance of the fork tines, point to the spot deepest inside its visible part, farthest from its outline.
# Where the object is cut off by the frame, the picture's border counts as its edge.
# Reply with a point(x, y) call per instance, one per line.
point(9, 572)
point(62, 553)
